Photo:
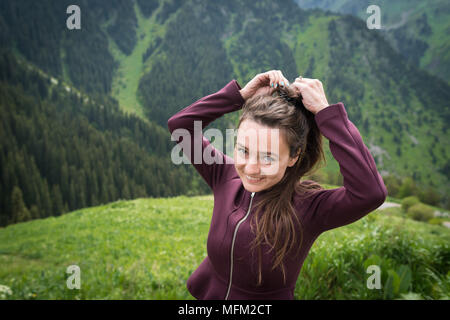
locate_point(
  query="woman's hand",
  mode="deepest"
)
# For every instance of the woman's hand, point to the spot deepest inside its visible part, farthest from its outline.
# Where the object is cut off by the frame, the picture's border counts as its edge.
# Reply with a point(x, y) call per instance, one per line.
point(311, 91)
point(264, 84)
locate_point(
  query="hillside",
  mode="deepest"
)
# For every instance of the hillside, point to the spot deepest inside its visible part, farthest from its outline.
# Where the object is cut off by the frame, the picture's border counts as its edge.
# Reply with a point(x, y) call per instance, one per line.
point(150, 59)
point(147, 248)
point(63, 149)
point(357, 67)
point(416, 29)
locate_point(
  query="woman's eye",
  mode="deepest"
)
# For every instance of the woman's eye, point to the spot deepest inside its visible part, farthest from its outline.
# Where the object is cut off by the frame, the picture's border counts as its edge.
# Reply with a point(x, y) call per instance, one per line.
point(268, 159)
point(242, 150)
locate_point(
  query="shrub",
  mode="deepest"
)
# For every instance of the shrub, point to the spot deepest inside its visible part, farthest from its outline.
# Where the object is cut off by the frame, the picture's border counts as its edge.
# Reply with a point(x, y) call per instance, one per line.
point(409, 202)
point(407, 188)
point(420, 212)
point(392, 184)
point(430, 196)
point(436, 221)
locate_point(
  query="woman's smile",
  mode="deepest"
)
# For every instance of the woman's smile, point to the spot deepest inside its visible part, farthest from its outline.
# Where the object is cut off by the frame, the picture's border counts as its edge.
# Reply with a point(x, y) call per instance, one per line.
point(254, 179)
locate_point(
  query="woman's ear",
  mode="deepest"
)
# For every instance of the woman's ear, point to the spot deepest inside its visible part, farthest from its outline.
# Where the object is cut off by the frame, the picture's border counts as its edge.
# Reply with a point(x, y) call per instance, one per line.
point(293, 160)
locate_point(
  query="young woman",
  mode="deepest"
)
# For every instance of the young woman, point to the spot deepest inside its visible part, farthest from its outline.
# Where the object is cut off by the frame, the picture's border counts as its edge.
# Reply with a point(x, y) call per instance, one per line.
point(265, 219)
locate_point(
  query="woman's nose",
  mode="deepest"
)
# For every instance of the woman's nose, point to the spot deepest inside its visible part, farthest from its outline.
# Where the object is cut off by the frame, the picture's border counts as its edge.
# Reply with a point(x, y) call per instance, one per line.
point(252, 168)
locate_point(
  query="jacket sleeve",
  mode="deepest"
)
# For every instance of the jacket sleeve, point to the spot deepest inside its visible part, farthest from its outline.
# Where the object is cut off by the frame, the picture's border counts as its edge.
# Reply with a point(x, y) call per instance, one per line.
point(216, 166)
point(363, 189)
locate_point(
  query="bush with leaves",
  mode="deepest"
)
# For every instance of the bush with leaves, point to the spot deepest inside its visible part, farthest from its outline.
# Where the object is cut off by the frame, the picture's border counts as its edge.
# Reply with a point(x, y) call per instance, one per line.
point(420, 212)
point(409, 202)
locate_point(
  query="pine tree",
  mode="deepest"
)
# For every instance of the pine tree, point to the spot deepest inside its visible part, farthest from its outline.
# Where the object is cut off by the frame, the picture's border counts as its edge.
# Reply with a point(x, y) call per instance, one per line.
point(20, 212)
point(58, 207)
point(72, 197)
point(34, 211)
point(47, 209)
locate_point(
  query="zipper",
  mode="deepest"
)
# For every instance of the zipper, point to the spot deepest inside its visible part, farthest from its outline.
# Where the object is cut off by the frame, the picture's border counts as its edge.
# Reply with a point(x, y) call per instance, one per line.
point(232, 245)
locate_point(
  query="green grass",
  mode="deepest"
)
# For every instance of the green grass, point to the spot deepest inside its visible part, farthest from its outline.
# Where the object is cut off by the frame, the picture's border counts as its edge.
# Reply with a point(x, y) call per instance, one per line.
point(147, 248)
point(336, 265)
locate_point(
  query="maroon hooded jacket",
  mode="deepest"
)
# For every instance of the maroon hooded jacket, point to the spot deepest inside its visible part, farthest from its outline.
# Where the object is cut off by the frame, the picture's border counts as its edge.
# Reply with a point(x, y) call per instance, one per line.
point(230, 269)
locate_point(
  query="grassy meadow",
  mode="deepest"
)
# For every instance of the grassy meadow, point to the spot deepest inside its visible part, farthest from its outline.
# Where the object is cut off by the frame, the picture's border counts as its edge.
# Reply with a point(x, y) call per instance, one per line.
point(147, 248)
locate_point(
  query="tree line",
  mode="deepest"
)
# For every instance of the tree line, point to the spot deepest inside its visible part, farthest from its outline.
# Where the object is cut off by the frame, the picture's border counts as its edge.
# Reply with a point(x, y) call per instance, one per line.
point(60, 153)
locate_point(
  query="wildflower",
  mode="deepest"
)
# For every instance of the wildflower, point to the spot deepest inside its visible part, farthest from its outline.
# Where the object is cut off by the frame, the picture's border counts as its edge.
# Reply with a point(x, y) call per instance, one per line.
point(5, 291)
point(32, 295)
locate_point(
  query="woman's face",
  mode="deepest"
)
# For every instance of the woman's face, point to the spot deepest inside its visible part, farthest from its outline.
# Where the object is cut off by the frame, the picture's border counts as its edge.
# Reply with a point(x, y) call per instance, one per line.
point(261, 153)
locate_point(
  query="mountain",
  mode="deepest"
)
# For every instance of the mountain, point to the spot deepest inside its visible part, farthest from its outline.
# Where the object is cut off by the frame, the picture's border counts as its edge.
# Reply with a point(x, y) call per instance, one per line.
point(63, 149)
point(416, 29)
point(357, 67)
point(150, 59)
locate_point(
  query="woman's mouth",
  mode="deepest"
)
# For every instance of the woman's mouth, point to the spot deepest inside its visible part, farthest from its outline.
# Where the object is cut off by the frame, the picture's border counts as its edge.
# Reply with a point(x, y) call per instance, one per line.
point(254, 179)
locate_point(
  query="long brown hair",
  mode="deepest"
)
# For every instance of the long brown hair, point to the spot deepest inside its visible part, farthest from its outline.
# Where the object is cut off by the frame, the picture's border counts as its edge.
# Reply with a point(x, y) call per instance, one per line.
point(297, 125)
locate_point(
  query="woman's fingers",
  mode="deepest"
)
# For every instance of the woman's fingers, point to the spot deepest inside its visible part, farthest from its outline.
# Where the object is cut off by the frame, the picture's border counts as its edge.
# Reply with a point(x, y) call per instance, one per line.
point(298, 79)
point(297, 86)
point(273, 79)
point(284, 82)
point(277, 79)
point(312, 93)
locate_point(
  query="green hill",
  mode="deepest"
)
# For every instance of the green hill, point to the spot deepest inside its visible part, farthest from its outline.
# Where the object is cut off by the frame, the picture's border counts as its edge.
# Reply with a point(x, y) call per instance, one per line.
point(153, 58)
point(356, 66)
point(147, 248)
point(416, 29)
point(63, 149)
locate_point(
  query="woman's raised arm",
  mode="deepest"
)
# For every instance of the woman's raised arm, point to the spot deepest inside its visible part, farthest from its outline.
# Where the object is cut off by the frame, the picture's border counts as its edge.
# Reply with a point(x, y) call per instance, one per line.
point(363, 189)
point(204, 111)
